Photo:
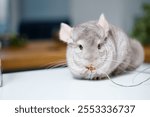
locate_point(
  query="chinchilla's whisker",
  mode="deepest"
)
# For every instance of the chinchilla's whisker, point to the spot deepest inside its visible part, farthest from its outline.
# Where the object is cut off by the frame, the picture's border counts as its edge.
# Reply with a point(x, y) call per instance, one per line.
point(108, 60)
point(47, 65)
point(54, 65)
point(132, 66)
point(125, 85)
point(140, 72)
point(117, 61)
point(143, 71)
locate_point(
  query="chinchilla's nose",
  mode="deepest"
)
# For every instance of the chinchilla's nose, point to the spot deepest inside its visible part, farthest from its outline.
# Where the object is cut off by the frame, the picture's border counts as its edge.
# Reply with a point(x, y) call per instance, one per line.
point(90, 67)
point(87, 56)
point(90, 56)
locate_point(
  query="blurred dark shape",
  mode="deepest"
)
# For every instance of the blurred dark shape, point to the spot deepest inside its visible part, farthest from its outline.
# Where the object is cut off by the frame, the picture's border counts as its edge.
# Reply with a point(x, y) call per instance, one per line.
point(10, 40)
point(141, 29)
point(17, 41)
point(40, 29)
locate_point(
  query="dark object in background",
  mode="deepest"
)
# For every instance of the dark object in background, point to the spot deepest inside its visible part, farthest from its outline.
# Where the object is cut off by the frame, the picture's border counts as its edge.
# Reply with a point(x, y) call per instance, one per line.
point(12, 40)
point(40, 29)
point(17, 41)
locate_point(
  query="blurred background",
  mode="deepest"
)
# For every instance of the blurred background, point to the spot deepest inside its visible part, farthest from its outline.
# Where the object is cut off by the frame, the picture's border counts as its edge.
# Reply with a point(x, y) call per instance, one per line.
point(29, 28)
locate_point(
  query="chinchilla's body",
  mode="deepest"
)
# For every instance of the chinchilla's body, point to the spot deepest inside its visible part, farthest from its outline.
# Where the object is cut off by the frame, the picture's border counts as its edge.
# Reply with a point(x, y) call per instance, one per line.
point(97, 49)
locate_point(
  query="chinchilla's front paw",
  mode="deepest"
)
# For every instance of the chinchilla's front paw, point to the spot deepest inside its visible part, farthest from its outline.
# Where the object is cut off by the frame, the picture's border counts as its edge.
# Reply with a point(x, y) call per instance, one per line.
point(99, 78)
point(96, 78)
point(117, 72)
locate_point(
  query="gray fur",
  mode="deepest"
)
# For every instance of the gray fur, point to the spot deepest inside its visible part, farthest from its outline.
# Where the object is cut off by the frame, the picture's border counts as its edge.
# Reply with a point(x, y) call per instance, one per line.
point(117, 54)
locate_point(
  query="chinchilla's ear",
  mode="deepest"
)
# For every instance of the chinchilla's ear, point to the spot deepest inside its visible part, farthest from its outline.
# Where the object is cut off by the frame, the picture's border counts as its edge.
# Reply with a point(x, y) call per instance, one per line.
point(65, 33)
point(103, 23)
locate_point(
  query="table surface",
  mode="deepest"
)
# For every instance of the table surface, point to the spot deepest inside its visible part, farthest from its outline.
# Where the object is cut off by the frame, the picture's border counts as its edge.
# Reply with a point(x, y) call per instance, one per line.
point(58, 83)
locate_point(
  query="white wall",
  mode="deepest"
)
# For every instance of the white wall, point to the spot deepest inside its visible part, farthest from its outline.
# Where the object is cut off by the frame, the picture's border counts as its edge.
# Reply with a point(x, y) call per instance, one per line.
point(118, 12)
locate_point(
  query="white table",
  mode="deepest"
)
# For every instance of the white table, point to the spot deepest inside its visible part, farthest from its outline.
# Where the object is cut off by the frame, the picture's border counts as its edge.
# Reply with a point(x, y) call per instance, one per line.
point(59, 84)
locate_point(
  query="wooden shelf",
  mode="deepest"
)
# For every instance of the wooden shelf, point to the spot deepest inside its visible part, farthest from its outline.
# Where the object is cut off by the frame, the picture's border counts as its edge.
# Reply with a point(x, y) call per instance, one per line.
point(35, 55)
point(147, 54)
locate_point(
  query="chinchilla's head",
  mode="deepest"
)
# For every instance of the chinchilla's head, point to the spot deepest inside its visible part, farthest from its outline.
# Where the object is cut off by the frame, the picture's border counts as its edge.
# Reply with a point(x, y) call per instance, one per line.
point(88, 47)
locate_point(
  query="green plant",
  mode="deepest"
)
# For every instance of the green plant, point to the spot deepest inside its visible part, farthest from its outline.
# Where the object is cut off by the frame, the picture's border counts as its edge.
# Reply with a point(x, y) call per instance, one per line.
point(141, 29)
point(17, 41)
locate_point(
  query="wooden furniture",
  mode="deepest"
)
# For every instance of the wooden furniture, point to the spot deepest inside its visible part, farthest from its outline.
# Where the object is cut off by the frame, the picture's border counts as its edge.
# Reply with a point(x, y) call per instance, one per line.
point(35, 55)
point(147, 53)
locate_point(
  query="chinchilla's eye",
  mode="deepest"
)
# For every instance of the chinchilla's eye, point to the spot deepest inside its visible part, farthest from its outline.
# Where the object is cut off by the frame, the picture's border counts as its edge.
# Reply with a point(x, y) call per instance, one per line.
point(81, 47)
point(99, 46)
